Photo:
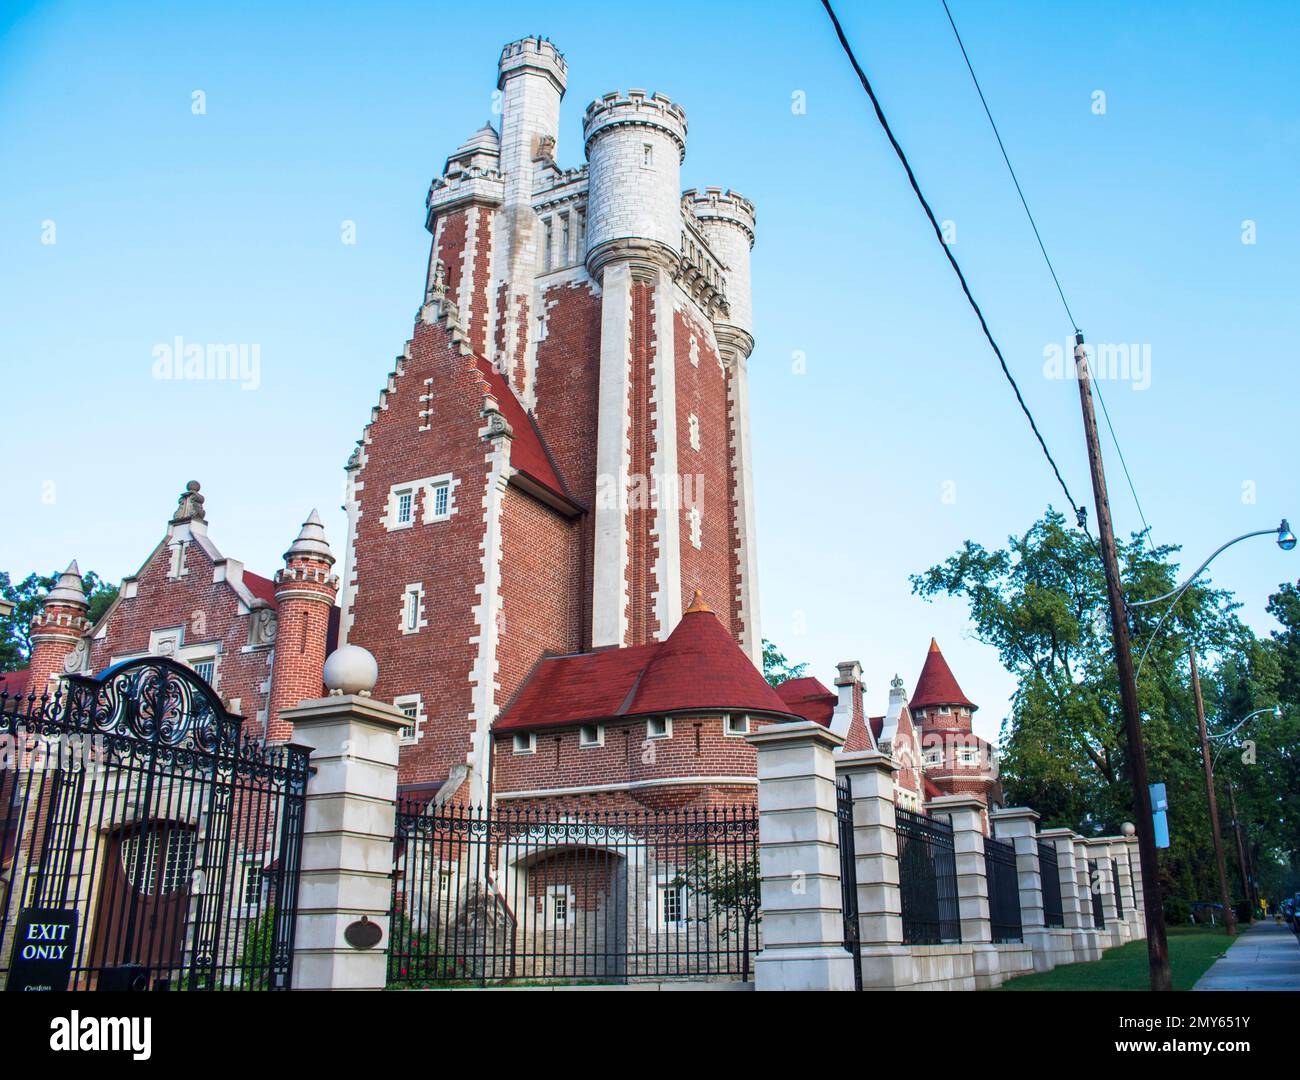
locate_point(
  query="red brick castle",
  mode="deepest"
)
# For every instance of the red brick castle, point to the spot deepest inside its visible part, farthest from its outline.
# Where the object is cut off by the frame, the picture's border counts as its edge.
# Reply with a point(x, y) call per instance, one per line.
point(551, 549)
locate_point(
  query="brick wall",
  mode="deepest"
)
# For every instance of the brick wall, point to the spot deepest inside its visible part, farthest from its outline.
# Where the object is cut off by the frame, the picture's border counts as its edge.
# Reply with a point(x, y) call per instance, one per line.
point(209, 613)
point(444, 556)
point(702, 391)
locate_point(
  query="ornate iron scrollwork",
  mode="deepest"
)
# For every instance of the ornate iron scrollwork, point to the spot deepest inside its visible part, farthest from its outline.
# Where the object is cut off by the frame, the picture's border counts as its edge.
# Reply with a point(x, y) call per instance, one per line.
point(157, 700)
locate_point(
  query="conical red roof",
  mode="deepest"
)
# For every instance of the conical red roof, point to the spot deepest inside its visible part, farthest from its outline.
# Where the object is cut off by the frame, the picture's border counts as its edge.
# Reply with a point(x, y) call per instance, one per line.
point(700, 666)
point(937, 685)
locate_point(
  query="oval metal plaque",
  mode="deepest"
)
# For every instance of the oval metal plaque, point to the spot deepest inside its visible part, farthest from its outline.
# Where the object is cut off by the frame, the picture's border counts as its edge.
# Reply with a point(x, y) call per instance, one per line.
point(363, 934)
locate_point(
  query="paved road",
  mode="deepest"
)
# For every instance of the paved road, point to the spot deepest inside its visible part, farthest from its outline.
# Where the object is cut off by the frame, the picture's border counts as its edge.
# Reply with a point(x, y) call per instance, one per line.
point(1265, 957)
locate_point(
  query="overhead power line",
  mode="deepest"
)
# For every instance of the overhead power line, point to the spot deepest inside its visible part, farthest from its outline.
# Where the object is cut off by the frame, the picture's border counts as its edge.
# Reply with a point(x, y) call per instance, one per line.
point(1078, 508)
point(1146, 528)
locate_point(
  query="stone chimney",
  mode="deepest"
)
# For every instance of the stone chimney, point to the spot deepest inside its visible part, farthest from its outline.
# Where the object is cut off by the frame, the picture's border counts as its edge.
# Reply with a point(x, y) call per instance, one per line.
point(848, 691)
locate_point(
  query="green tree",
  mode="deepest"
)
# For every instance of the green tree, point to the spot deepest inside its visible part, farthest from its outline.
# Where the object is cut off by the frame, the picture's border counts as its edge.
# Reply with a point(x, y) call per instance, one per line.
point(1041, 602)
point(15, 628)
point(776, 668)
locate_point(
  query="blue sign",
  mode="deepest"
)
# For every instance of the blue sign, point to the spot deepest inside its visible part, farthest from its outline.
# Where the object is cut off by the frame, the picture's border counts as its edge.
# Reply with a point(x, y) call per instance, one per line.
point(1159, 817)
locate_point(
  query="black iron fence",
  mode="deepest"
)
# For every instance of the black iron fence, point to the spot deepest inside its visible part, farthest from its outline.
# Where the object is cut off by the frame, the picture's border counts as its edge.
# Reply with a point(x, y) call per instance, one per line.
point(537, 895)
point(927, 879)
point(1049, 871)
point(1004, 889)
point(849, 877)
point(160, 843)
point(1095, 888)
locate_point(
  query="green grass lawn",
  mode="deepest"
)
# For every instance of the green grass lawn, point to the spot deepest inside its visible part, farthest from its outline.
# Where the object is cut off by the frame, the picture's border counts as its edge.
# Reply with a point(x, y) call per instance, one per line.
point(1192, 949)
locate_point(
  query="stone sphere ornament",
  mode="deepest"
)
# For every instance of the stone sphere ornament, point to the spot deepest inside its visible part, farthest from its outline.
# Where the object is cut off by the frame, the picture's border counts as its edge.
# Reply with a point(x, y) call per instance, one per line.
point(1128, 829)
point(350, 669)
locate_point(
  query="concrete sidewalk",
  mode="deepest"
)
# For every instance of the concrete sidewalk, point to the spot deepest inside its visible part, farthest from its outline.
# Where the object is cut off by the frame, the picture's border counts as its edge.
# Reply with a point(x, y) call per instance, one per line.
point(1264, 957)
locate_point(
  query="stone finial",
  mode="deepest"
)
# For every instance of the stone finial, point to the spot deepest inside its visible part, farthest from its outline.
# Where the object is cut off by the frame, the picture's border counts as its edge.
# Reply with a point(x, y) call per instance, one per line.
point(189, 507)
point(1128, 829)
point(847, 672)
point(896, 683)
point(350, 669)
point(68, 589)
point(311, 542)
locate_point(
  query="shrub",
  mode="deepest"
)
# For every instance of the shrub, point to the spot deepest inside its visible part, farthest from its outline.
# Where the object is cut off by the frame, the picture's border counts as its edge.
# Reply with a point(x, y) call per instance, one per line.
point(1178, 912)
point(1243, 911)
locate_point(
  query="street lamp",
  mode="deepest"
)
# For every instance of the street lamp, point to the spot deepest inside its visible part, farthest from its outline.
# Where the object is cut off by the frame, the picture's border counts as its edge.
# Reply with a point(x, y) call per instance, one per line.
point(1284, 538)
point(1276, 710)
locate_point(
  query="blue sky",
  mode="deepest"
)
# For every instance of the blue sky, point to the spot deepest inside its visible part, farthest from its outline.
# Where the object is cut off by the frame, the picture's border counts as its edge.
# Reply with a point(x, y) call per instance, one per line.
point(900, 439)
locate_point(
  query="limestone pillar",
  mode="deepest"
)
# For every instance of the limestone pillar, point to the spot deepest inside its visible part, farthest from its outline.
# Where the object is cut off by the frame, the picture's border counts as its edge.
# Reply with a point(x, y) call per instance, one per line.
point(347, 854)
point(1139, 921)
point(1019, 824)
point(799, 861)
point(1071, 905)
point(966, 814)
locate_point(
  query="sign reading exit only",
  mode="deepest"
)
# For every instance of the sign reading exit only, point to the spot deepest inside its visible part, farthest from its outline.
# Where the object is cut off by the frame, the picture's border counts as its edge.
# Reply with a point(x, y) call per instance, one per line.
point(44, 944)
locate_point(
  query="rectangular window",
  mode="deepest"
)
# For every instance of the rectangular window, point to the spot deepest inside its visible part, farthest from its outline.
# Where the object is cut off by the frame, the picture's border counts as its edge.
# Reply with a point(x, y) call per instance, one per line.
point(525, 743)
point(564, 239)
point(205, 669)
point(548, 236)
point(559, 901)
point(591, 735)
point(659, 727)
point(648, 155)
point(441, 493)
point(405, 504)
point(932, 757)
point(412, 615)
point(969, 757)
point(254, 876)
point(412, 611)
point(672, 904)
point(737, 724)
point(410, 706)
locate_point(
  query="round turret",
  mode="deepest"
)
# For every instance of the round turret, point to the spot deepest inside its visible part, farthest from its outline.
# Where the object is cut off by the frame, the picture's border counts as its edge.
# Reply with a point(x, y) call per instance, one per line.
point(726, 218)
point(533, 54)
point(635, 143)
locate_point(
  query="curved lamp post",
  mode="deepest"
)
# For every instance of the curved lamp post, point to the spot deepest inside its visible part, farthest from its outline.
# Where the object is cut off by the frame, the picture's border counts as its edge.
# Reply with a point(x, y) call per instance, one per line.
point(1285, 539)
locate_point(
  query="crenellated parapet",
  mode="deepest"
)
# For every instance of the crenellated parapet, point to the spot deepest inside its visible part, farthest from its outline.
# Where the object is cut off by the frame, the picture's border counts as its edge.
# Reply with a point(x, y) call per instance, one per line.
point(536, 55)
point(635, 110)
point(727, 221)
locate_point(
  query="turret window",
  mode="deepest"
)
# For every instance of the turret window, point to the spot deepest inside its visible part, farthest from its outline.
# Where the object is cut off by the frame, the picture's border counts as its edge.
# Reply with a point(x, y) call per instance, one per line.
point(590, 735)
point(525, 743)
point(693, 427)
point(659, 727)
point(737, 724)
point(412, 707)
point(648, 156)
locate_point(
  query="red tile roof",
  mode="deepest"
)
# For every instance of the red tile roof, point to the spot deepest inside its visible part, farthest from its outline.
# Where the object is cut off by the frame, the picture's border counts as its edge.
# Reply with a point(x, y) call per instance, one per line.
point(14, 683)
point(808, 697)
point(877, 726)
point(528, 452)
point(937, 685)
point(262, 588)
point(699, 667)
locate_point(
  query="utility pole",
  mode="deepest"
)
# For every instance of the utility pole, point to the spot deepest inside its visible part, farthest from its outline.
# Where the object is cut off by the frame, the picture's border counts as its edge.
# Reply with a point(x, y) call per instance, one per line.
point(1243, 859)
point(1229, 917)
point(1157, 945)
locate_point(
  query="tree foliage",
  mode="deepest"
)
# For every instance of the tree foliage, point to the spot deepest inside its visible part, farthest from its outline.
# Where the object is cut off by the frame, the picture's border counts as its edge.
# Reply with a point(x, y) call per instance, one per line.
point(776, 668)
point(26, 596)
point(1041, 602)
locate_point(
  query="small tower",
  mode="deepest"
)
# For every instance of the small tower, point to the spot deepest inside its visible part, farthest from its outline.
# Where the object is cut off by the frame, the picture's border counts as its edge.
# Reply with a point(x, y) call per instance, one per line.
point(955, 759)
point(57, 632)
point(304, 593)
point(727, 220)
point(635, 145)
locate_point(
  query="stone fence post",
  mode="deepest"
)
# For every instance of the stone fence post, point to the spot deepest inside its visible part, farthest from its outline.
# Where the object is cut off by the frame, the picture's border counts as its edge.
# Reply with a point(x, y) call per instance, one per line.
point(1090, 947)
point(966, 814)
point(799, 861)
point(1139, 918)
point(347, 851)
point(1071, 911)
point(886, 961)
point(1019, 824)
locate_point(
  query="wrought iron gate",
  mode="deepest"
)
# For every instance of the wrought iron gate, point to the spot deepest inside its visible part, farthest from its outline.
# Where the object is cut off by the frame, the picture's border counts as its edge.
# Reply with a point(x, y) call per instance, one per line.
point(849, 877)
point(927, 879)
point(134, 808)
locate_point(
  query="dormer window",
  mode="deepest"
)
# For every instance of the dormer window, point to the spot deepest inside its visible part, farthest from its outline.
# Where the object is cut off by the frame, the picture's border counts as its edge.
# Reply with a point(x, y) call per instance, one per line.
point(659, 727)
point(945, 710)
point(590, 735)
